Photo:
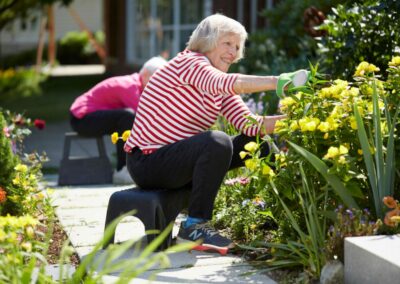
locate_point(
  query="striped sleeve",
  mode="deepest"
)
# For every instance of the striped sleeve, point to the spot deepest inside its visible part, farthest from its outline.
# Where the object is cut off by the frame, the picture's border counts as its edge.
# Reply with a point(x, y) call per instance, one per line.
point(236, 112)
point(202, 75)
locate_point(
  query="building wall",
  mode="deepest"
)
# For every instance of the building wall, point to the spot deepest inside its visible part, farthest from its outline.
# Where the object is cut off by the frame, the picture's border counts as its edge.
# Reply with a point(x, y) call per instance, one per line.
point(16, 39)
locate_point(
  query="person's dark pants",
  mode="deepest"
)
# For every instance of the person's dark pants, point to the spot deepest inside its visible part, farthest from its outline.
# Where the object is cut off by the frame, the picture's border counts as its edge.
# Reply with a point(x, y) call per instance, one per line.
point(106, 122)
point(200, 161)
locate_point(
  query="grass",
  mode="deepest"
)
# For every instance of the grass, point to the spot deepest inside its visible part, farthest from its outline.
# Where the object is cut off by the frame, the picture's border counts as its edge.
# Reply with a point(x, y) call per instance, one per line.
point(58, 93)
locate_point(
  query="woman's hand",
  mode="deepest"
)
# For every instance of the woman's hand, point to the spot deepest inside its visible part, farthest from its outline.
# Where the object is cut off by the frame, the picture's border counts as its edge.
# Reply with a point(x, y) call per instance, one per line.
point(269, 123)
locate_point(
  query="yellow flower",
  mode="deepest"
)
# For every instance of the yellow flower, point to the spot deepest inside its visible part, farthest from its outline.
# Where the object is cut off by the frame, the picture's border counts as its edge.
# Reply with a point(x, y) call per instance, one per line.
point(324, 126)
point(326, 135)
point(279, 125)
point(251, 164)
point(267, 171)
point(343, 150)
point(243, 154)
point(21, 168)
point(294, 125)
point(365, 68)
point(251, 147)
point(126, 135)
point(332, 152)
point(342, 160)
point(253, 226)
point(114, 137)
point(309, 124)
point(27, 246)
point(353, 123)
point(395, 61)
point(360, 152)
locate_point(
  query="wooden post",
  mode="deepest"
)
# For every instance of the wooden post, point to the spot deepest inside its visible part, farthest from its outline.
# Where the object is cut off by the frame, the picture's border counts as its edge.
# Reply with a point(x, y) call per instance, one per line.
point(51, 52)
point(99, 49)
point(39, 52)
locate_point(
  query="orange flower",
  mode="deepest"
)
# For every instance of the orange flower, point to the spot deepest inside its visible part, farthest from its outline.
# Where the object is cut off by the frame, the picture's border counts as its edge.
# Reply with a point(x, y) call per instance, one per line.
point(390, 202)
point(3, 195)
point(389, 215)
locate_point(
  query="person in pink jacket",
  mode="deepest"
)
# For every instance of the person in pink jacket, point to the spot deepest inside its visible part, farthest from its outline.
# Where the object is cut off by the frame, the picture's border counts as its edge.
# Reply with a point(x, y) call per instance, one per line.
point(109, 107)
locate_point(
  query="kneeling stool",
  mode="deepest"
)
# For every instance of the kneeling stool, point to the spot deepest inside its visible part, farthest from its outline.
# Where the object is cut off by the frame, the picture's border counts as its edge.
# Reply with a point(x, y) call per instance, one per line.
point(84, 170)
point(156, 208)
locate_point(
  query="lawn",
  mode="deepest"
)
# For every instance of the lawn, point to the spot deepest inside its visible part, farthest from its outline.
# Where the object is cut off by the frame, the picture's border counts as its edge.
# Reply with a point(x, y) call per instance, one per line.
point(56, 97)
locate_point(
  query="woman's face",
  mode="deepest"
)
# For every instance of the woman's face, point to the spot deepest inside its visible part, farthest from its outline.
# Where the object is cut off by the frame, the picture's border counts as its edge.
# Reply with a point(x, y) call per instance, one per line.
point(223, 55)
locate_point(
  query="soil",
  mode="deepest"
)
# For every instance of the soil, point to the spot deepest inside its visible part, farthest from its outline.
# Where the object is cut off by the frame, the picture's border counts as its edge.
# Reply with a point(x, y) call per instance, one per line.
point(57, 241)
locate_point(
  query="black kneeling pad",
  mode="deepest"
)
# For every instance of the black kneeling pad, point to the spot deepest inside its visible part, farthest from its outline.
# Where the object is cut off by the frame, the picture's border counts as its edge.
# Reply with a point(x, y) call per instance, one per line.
point(156, 208)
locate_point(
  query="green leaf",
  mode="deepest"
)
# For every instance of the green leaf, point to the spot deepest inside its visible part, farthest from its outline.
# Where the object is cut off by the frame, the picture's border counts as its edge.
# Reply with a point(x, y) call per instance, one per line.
point(333, 180)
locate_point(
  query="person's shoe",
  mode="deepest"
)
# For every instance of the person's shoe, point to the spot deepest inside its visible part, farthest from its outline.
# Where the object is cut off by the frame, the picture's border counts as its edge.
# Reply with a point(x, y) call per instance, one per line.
point(208, 237)
point(122, 177)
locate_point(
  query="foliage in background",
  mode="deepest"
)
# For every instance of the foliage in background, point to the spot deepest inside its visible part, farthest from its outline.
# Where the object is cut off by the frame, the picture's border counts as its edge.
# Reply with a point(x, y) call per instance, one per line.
point(365, 31)
point(75, 48)
point(283, 47)
point(11, 10)
point(19, 83)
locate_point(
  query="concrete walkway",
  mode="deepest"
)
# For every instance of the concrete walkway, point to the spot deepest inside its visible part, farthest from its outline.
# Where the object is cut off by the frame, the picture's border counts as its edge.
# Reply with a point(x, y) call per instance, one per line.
point(82, 210)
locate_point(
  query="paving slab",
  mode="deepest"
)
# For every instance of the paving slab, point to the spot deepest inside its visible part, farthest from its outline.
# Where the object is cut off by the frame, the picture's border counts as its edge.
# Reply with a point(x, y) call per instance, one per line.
point(372, 259)
point(82, 210)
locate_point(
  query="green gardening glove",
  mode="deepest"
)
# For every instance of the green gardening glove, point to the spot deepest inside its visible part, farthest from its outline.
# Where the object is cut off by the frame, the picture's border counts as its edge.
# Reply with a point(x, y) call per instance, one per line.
point(290, 80)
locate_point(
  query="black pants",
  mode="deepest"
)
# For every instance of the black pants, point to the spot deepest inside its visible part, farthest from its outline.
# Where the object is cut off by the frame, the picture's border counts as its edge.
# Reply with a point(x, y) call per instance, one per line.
point(105, 122)
point(200, 161)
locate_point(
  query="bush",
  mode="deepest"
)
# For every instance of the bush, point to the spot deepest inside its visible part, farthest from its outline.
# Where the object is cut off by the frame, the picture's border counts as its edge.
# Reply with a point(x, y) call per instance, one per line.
point(75, 48)
point(19, 83)
point(360, 32)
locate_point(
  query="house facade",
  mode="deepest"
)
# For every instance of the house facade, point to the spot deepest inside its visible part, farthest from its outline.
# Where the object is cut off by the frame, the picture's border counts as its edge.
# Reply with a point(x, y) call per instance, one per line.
point(139, 29)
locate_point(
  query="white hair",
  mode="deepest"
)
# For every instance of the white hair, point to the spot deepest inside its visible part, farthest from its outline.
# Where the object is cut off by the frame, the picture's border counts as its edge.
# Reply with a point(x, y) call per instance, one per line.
point(206, 35)
point(153, 64)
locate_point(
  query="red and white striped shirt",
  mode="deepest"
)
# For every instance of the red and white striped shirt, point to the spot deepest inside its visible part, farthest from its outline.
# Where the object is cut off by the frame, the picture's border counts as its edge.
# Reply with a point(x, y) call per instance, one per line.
point(184, 98)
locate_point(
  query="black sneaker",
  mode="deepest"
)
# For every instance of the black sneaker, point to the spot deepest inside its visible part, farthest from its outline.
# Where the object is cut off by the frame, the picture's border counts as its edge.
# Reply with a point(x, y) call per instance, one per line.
point(209, 238)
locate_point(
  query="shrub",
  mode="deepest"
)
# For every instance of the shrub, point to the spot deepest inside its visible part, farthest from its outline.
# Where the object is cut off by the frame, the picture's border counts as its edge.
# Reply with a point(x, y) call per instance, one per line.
point(360, 32)
point(75, 48)
point(19, 83)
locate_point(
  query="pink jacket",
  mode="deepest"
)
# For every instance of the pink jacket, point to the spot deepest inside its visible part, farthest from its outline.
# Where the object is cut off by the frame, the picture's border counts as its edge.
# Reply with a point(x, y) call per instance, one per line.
point(113, 93)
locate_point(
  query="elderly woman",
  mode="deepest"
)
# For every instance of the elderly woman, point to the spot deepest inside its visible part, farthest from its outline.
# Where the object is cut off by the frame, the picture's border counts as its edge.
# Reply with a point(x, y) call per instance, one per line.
point(171, 145)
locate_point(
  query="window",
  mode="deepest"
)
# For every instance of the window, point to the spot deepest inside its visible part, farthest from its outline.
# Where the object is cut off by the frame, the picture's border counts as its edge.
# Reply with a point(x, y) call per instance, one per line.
point(154, 26)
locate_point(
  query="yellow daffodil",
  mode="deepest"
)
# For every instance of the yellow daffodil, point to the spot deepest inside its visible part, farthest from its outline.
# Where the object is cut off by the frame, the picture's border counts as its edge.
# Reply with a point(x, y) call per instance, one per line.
point(251, 147)
point(126, 135)
point(114, 137)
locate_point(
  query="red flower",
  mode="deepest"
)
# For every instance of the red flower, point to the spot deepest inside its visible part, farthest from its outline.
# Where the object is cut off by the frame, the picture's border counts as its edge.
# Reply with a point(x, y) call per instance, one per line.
point(39, 124)
point(390, 214)
point(3, 195)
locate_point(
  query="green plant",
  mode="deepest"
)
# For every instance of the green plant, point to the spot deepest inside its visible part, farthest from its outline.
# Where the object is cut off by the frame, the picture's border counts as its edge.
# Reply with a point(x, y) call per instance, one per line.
point(358, 32)
point(349, 223)
point(75, 48)
point(19, 83)
point(381, 173)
